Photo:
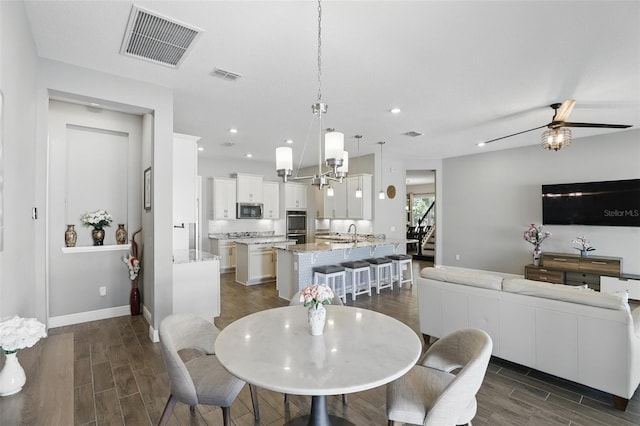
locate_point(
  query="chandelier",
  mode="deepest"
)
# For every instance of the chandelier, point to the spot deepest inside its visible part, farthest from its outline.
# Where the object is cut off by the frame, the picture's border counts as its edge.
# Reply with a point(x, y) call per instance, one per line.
point(335, 157)
point(555, 139)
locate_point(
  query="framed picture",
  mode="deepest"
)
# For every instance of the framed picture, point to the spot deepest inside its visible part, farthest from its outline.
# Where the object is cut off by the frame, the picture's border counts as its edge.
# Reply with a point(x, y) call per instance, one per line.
point(147, 189)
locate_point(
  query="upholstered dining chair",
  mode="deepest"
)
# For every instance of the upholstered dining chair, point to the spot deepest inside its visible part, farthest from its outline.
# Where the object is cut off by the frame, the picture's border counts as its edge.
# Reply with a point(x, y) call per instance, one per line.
point(441, 389)
point(201, 380)
point(295, 300)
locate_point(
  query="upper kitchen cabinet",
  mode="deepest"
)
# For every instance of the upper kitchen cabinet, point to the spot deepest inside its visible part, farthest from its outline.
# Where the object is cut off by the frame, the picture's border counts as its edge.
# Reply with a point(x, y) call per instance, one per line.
point(359, 208)
point(249, 188)
point(332, 206)
point(271, 199)
point(224, 198)
point(295, 196)
point(185, 177)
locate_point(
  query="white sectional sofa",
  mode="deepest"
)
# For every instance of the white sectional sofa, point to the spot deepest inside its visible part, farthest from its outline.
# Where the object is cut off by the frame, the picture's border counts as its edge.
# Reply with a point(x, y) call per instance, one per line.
point(580, 335)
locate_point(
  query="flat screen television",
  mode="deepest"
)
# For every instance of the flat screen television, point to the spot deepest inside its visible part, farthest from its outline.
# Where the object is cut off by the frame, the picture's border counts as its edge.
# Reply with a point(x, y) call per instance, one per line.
point(609, 203)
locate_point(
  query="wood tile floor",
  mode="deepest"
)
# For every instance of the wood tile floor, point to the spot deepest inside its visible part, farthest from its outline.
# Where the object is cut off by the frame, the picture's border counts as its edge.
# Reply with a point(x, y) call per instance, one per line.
point(119, 377)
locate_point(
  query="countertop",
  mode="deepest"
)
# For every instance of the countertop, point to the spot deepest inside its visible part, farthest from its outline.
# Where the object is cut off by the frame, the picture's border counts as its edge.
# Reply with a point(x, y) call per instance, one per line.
point(329, 245)
point(235, 236)
point(188, 256)
point(264, 240)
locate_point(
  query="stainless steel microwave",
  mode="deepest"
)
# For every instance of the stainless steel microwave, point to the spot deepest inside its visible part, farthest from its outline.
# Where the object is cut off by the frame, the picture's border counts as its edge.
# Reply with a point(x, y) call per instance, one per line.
point(249, 211)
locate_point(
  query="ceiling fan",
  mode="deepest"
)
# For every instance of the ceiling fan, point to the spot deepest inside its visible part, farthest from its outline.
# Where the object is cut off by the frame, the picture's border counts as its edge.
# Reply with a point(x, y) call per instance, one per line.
point(558, 135)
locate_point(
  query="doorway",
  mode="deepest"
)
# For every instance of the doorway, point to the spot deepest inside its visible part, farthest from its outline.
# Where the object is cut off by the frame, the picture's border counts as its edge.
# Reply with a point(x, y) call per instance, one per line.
point(420, 209)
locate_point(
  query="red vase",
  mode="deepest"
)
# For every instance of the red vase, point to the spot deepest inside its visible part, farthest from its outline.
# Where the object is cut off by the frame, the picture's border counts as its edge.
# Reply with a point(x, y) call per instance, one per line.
point(134, 301)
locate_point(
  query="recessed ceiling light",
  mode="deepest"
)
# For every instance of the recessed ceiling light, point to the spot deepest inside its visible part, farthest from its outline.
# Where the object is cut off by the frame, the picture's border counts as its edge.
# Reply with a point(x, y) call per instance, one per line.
point(249, 155)
point(481, 144)
point(233, 130)
point(289, 141)
point(93, 104)
point(200, 148)
point(395, 110)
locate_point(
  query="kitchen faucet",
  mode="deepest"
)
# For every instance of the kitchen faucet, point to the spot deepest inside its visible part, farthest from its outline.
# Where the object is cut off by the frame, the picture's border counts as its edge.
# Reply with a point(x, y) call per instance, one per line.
point(355, 231)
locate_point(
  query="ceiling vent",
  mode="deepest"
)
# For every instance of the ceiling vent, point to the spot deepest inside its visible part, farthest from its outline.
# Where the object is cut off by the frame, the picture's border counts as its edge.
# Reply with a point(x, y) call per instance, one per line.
point(224, 74)
point(157, 39)
point(413, 134)
point(228, 144)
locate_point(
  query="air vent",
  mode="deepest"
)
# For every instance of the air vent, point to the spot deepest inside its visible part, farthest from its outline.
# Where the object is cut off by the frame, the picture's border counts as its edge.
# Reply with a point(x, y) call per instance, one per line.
point(224, 74)
point(156, 38)
point(413, 134)
point(227, 144)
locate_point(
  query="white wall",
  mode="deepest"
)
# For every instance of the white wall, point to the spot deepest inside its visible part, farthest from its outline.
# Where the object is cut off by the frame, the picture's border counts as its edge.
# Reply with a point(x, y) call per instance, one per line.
point(18, 64)
point(491, 198)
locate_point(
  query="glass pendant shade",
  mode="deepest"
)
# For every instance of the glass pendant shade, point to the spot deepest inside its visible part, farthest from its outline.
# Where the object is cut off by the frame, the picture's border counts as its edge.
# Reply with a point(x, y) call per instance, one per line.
point(358, 193)
point(381, 195)
point(333, 145)
point(555, 139)
point(284, 158)
point(329, 192)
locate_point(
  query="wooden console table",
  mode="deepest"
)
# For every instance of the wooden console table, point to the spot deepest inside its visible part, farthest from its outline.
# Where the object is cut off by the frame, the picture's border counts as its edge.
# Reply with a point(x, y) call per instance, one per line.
point(572, 269)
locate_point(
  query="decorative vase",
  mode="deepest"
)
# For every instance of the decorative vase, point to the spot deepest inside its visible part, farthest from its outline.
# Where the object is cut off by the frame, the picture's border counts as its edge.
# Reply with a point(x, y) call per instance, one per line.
point(537, 256)
point(317, 317)
point(12, 376)
point(70, 236)
point(584, 253)
point(134, 298)
point(121, 235)
point(98, 236)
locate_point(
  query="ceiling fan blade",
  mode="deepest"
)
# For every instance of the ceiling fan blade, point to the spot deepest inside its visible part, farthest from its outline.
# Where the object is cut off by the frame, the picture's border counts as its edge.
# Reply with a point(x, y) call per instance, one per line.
point(600, 125)
point(565, 109)
point(515, 134)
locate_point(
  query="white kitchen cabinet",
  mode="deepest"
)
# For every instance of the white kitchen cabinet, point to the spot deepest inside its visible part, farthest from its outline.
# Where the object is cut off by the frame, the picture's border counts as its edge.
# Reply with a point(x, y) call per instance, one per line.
point(185, 176)
point(359, 208)
point(196, 288)
point(249, 188)
point(256, 263)
point(224, 198)
point(271, 200)
point(295, 196)
point(226, 249)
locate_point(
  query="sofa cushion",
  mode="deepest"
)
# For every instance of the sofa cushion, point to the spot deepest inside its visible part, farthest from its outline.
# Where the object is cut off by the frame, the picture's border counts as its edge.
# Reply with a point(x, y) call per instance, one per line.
point(566, 293)
point(475, 279)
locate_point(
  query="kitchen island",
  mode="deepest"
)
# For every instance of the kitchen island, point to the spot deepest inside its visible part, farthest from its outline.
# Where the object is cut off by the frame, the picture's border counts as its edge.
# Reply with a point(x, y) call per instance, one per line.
point(295, 263)
point(256, 260)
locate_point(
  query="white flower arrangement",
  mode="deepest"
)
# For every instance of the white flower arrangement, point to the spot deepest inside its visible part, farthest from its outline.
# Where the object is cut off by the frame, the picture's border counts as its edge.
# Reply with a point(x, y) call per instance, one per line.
point(315, 295)
point(19, 333)
point(133, 264)
point(584, 245)
point(98, 219)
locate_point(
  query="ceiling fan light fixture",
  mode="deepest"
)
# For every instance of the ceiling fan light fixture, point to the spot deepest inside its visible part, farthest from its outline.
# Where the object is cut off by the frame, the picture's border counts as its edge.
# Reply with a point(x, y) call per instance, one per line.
point(556, 139)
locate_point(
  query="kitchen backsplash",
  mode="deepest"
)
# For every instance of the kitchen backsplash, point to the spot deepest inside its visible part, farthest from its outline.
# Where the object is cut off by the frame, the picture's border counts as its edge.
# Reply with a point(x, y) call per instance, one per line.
point(247, 225)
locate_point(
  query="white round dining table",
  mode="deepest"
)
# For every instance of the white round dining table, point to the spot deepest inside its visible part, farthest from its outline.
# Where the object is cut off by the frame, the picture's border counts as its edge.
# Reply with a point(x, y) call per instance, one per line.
point(359, 350)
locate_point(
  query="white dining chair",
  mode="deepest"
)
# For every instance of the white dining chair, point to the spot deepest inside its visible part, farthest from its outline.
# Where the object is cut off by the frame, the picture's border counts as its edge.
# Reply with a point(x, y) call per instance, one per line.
point(434, 392)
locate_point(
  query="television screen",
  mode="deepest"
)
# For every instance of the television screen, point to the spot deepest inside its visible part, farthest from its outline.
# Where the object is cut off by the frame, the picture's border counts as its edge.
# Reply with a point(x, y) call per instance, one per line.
point(610, 203)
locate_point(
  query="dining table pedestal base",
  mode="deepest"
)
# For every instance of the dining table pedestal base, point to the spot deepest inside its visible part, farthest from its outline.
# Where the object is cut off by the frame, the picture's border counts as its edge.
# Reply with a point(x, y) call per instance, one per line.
point(319, 415)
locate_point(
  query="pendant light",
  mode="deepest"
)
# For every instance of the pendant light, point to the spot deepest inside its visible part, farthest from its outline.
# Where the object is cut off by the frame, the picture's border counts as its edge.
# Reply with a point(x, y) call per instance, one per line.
point(358, 189)
point(335, 157)
point(381, 193)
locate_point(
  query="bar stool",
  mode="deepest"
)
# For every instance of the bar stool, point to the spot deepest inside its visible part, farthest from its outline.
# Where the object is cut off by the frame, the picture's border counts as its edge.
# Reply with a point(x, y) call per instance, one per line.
point(399, 261)
point(328, 274)
point(381, 268)
point(360, 277)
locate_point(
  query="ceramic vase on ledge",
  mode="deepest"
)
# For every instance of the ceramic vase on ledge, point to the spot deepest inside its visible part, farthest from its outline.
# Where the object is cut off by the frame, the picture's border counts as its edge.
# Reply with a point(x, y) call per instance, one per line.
point(98, 236)
point(121, 235)
point(317, 318)
point(70, 236)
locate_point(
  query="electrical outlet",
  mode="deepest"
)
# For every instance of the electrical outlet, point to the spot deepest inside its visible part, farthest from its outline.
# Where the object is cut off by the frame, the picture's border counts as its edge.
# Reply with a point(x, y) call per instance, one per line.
point(103, 291)
point(457, 257)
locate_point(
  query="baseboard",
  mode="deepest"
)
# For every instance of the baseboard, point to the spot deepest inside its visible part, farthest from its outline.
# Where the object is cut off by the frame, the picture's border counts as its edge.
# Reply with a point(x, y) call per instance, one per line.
point(153, 333)
point(80, 317)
